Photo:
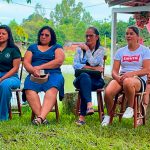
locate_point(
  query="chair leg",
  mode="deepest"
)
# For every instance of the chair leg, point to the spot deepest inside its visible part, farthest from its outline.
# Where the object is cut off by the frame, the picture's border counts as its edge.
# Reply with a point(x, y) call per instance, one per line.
point(32, 116)
point(100, 106)
point(78, 105)
point(10, 112)
point(144, 115)
point(122, 108)
point(56, 111)
point(18, 103)
point(113, 110)
point(135, 112)
point(112, 113)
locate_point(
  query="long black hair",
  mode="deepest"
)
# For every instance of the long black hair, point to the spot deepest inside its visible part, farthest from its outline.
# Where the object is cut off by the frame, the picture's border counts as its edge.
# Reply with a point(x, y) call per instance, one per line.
point(53, 35)
point(10, 41)
point(97, 33)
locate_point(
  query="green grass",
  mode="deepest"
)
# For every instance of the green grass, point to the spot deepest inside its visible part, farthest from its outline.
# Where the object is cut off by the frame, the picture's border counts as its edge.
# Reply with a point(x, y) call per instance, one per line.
point(20, 134)
point(69, 78)
point(69, 56)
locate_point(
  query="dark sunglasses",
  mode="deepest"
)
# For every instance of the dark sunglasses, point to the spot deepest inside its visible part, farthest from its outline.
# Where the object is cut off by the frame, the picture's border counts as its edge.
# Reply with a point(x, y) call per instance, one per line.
point(89, 35)
point(47, 35)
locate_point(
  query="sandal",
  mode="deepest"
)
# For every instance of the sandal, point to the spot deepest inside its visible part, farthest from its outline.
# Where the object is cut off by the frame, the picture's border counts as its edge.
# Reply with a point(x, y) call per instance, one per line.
point(45, 122)
point(139, 122)
point(37, 121)
point(90, 111)
point(80, 123)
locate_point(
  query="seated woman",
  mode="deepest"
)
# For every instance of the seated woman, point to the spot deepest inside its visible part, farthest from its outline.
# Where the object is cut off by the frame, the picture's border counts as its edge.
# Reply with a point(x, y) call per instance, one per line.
point(133, 61)
point(88, 56)
point(10, 58)
point(46, 55)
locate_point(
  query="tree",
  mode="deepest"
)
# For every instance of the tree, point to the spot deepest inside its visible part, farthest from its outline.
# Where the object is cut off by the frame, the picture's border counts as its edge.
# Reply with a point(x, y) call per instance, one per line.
point(131, 21)
point(70, 20)
point(39, 10)
point(18, 31)
point(69, 12)
point(34, 22)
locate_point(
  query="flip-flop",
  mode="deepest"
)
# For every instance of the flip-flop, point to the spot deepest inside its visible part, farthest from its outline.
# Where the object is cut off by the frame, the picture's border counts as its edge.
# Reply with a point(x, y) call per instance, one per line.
point(90, 111)
point(80, 123)
point(37, 121)
point(139, 122)
point(45, 122)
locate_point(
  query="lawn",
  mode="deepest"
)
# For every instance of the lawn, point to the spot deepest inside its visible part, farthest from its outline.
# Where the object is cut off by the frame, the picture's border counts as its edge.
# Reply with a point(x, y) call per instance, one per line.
point(20, 134)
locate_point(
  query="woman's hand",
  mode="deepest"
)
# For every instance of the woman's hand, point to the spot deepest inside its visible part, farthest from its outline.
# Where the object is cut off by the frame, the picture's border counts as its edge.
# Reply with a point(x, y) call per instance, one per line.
point(84, 47)
point(36, 71)
point(99, 68)
point(1, 80)
point(127, 75)
point(148, 78)
point(118, 79)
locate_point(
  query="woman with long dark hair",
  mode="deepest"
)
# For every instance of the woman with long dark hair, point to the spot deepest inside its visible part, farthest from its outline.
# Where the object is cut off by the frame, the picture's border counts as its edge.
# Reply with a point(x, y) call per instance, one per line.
point(88, 56)
point(10, 58)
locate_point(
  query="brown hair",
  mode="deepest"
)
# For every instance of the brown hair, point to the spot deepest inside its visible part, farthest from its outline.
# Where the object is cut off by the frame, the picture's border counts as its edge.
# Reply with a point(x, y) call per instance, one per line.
point(135, 29)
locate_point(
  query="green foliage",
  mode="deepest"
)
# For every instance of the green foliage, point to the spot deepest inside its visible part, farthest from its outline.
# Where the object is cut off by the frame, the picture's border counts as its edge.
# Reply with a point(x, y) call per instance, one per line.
point(18, 32)
point(68, 12)
point(69, 56)
point(108, 60)
point(131, 21)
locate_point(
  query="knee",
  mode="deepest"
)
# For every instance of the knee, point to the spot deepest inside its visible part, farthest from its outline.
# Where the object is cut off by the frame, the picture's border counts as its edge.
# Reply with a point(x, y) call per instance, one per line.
point(4, 85)
point(84, 76)
point(127, 83)
point(108, 92)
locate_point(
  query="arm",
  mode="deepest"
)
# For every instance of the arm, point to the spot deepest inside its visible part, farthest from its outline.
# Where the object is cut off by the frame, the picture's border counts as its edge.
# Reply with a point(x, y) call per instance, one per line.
point(115, 71)
point(59, 58)
point(77, 62)
point(97, 68)
point(97, 58)
point(57, 62)
point(144, 71)
point(16, 63)
point(27, 62)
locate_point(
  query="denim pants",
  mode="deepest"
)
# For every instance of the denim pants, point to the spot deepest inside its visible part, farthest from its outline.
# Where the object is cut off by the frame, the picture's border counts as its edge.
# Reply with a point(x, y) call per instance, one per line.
point(6, 85)
point(86, 84)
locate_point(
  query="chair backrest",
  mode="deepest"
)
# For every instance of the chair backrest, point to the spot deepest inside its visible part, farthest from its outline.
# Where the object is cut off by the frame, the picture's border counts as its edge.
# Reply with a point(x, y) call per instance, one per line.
point(104, 63)
point(21, 68)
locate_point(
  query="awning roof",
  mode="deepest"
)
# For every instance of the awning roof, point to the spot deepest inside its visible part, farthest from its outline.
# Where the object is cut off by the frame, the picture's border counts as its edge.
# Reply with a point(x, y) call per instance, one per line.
point(128, 2)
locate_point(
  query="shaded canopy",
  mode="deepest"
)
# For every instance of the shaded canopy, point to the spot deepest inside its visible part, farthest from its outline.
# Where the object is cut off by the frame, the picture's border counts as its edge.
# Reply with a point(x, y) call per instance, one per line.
point(128, 2)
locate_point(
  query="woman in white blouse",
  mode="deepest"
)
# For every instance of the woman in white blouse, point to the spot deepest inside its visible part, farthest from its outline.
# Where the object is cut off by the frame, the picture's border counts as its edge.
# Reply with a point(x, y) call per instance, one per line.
point(88, 56)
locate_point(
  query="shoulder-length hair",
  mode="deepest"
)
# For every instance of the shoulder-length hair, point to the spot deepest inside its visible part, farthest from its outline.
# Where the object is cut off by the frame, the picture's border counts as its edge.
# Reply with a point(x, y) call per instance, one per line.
point(97, 33)
point(53, 35)
point(10, 41)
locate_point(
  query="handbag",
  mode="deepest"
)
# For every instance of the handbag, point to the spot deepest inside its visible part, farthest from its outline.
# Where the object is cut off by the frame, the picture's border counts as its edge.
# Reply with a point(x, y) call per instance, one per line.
point(42, 79)
point(92, 73)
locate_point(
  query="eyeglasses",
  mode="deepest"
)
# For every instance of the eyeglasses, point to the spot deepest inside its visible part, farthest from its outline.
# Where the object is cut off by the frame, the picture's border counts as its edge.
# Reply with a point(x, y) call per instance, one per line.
point(89, 35)
point(3, 33)
point(47, 35)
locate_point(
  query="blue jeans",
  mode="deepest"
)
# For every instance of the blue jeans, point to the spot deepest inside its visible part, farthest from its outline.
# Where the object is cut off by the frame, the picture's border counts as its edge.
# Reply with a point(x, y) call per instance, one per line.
point(86, 84)
point(6, 85)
